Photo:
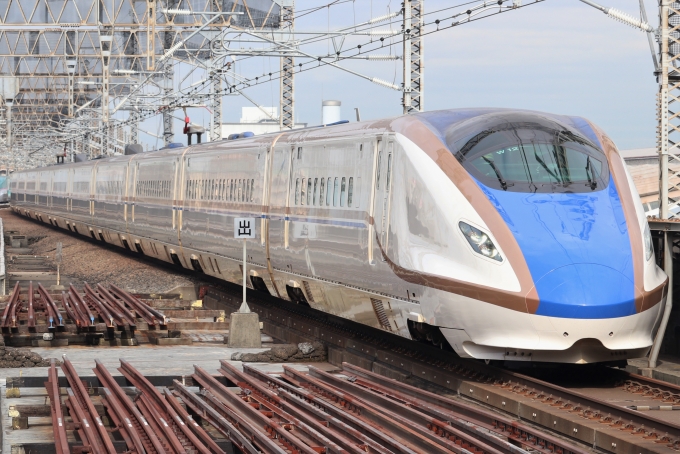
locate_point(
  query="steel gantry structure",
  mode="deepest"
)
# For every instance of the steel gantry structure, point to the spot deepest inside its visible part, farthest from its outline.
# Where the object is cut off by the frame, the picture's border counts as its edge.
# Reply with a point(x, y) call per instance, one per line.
point(80, 76)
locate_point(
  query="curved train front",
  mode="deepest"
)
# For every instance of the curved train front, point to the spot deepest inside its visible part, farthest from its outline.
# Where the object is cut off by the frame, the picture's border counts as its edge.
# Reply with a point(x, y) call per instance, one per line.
point(549, 256)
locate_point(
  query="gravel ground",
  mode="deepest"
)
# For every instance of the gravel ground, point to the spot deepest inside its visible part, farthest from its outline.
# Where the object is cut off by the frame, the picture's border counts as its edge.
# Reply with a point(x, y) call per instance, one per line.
point(86, 261)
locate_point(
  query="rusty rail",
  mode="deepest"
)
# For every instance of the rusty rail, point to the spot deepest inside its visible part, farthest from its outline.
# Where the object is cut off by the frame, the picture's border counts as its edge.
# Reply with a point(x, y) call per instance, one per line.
point(150, 315)
point(157, 410)
point(265, 432)
point(53, 312)
point(433, 436)
point(341, 433)
point(71, 311)
point(106, 311)
point(81, 305)
point(185, 417)
point(79, 403)
point(140, 437)
point(244, 437)
point(31, 310)
point(114, 303)
point(459, 413)
point(58, 424)
point(9, 317)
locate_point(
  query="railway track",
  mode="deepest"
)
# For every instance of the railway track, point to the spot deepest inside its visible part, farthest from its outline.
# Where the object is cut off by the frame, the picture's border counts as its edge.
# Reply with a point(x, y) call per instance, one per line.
point(591, 420)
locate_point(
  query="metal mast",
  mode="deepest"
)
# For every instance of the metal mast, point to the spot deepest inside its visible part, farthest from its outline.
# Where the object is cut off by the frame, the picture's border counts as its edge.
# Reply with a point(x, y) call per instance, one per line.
point(413, 56)
point(287, 115)
point(668, 141)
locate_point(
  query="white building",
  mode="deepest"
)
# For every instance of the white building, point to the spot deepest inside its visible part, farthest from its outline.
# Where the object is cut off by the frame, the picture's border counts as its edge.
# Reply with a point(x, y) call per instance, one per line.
point(258, 120)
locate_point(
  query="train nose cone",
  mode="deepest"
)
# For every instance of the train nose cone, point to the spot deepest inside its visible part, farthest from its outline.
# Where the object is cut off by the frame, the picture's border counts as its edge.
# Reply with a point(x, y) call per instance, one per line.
point(585, 291)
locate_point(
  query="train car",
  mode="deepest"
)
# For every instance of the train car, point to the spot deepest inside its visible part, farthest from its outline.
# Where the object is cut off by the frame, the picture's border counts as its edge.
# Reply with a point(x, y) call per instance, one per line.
point(504, 234)
point(4, 186)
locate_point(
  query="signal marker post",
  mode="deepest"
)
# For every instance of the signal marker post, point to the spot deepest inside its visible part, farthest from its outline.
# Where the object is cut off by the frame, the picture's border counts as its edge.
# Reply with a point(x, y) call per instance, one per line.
point(244, 325)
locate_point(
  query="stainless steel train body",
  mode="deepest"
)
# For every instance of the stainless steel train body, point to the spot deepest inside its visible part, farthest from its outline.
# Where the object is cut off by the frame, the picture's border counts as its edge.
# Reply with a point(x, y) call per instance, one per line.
point(400, 224)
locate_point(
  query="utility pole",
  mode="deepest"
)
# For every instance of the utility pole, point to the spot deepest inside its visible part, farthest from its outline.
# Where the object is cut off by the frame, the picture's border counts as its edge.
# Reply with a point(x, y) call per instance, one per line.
point(413, 55)
point(169, 80)
point(105, 41)
point(287, 114)
point(667, 136)
point(215, 77)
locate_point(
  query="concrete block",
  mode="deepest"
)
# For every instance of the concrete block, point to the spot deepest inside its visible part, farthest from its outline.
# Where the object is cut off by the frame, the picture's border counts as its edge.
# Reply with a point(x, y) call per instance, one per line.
point(244, 330)
point(172, 341)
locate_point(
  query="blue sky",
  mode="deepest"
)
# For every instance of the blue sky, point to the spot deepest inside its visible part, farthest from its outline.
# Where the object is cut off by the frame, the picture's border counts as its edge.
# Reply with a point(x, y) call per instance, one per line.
point(560, 56)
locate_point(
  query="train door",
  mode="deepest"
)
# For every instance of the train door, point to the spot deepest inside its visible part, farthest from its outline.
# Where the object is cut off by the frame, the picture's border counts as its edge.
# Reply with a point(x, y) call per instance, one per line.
point(383, 187)
point(277, 160)
point(279, 204)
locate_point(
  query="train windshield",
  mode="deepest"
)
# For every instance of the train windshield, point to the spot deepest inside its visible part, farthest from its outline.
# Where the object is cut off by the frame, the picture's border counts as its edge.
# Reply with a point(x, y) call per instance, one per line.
point(531, 155)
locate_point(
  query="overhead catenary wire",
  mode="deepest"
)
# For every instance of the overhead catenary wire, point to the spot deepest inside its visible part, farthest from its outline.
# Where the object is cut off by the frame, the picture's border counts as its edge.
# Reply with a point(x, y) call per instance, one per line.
point(440, 24)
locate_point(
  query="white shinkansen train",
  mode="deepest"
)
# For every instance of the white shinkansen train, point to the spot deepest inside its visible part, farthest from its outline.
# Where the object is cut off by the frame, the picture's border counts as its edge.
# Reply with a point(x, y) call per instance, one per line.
point(509, 235)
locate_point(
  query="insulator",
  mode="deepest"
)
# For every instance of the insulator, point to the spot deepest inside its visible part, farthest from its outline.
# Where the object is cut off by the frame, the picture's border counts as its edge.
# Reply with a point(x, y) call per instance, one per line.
point(384, 32)
point(629, 20)
point(383, 57)
point(179, 12)
point(385, 83)
point(384, 18)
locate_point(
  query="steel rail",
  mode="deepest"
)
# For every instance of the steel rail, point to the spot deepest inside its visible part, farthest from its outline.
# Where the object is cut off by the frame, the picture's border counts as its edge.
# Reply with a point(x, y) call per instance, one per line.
point(337, 440)
point(10, 310)
point(122, 422)
point(101, 437)
point(245, 415)
point(189, 422)
point(70, 310)
point(459, 413)
point(52, 309)
point(452, 372)
point(244, 442)
point(132, 320)
point(58, 424)
point(81, 309)
point(140, 425)
point(435, 437)
point(167, 438)
point(524, 383)
point(83, 424)
point(31, 310)
point(344, 422)
point(269, 402)
point(176, 427)
point(84, 308)
point(113, 315)
point(149, 314)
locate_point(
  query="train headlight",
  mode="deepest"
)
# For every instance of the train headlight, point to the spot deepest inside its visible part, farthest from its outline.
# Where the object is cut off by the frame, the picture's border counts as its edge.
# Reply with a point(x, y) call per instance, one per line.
point(480, 241)
point(649, 249)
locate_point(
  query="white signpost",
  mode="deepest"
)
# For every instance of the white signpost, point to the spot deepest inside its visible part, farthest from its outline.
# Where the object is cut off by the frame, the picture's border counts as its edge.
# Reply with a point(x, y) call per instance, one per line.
point(244, 228)
point(244, 326)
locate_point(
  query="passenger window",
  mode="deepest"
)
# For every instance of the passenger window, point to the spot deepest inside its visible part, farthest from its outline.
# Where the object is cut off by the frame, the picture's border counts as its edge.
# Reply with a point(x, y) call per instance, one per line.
point(297, 191)
point(342, 193)
point(350, 191)
point(302, 192)
point(328, 193)
point(321, 191)
point(336, 191)
point(309, 191)
point(316, 190)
